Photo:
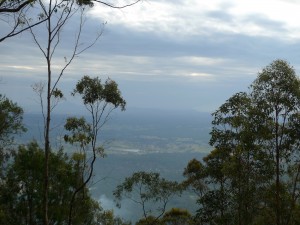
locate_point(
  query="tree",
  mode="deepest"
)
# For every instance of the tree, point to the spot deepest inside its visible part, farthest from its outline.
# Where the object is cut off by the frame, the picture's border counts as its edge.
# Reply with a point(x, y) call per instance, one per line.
point(22, 195)
point(149, 220)
point(13, 15)
point(13, 6)
point(21, 15)
point(100, 100)
point(209, 182)
point(108, 218)
point(11, 123)
point(56, 14)
point(277, 92)
point(238, 143)
point(177, 216)
point(195, 177)
point(174, 216)
point(256, 157)
point(150, 191)
point(11, 118)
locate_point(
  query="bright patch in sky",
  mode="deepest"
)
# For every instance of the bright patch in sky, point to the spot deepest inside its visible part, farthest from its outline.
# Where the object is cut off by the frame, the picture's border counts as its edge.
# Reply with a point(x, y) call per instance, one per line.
point(21, 67)
point(183, 18)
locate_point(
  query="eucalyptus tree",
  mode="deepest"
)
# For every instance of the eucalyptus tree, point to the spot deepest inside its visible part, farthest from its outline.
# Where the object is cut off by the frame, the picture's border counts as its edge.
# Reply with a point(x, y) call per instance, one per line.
point(100, 99)
point(210, 183)
point(11, 123)
point(48, 38)
point(222, 179)
point(150, 191)
point(276, 92)
point(21, 15)
point(176, 216)
point(195, 174)
point(257, 133)
point(236, 135)
point(21, 196)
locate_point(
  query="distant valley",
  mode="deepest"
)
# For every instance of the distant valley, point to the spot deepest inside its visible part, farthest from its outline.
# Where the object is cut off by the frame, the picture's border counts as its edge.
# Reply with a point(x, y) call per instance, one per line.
point(138, 140)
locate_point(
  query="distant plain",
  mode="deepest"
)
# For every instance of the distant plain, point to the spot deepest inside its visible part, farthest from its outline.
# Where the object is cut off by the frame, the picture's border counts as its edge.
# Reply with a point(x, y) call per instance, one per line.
point(137, 140)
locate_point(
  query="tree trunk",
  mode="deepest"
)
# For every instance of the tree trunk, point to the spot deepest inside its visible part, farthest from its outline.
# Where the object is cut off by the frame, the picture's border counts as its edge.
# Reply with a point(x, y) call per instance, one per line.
point(277, 172)
point(47, 125)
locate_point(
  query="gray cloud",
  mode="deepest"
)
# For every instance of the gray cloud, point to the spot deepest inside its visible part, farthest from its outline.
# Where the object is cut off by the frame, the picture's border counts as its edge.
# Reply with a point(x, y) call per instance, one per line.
point(176, 69)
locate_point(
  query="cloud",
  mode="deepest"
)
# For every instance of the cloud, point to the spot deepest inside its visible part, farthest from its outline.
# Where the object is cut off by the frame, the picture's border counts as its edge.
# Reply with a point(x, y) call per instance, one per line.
point(128, 210)
point(21, 67)
point(181, 19)
point(165, 51)
point(200, 61)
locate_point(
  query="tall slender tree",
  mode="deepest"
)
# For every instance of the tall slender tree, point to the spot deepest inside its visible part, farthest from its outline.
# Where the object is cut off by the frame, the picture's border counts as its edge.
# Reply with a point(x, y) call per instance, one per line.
point(276, 92)
point(56, 15)
point(100, 99)
point(255, 163)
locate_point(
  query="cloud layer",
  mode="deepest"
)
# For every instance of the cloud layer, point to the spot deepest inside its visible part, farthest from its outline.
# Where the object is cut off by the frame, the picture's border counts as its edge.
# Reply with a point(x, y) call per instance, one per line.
point(167, 54)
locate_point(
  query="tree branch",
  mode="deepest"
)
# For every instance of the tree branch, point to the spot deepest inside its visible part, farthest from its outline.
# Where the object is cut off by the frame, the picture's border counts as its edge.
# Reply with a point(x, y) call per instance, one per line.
point(14, 10)
point(117, 7)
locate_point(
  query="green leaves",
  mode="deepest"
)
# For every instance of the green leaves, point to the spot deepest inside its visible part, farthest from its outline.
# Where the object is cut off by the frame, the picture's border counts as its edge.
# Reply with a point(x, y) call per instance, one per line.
point(143, 187)
point(256, 141)
point(195, 174)
point(277, 86)
point(90, 89)
point(176, 216)
point(93, 91)
point(11, 117)
point(22, 190)
point(57, 93)
point(80, 131)
point(113, 95)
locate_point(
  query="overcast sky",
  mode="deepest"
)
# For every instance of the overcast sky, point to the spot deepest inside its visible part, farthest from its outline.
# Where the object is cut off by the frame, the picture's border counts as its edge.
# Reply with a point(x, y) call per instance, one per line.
point(179, 54)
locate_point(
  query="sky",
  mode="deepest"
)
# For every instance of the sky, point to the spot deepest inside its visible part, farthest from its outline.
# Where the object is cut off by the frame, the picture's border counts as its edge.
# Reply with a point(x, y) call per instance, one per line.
point(174, 55)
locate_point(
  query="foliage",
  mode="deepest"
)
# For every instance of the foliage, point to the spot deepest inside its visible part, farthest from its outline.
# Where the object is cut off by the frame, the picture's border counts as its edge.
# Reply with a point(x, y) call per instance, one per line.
point(100, 100)
point(195, 175)
point(22, 195)
point(148, 190)
point(252, 175)
point(11, 117)
point(11, 124)
point(94, 92)
point(149, 220)
point(80, 131)
point(176, 216)
point(55, 14)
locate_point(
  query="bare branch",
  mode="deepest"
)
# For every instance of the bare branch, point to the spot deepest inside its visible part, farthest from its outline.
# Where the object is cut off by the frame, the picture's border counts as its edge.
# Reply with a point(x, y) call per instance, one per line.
point(77, 52)
point(14, 33)
point(38, 88)
point(117, 7)
point(14, 10)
